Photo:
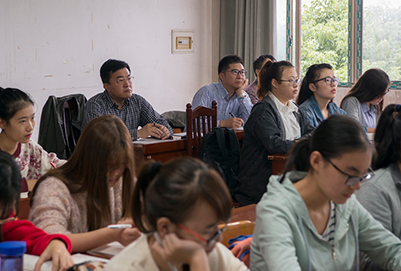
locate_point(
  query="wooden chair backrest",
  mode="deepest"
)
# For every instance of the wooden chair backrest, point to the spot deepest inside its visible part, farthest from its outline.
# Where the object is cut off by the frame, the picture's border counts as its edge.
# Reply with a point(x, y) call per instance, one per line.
point(237, 228)
point(200, 121)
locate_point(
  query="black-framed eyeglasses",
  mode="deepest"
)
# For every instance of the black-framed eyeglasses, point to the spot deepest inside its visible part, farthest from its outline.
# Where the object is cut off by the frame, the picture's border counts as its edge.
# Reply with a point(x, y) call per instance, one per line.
point(292, 81)
point(121, 81)
point(329, 80)
point(352, 180)
point(209, 242)
point(236, 72)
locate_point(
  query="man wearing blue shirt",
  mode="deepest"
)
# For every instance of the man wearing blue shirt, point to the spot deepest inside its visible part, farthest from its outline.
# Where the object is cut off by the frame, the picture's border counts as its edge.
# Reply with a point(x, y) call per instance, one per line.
point(233, 103)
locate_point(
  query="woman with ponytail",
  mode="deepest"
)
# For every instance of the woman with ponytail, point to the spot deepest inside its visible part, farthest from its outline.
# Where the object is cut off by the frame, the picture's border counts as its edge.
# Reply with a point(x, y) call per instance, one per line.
point(275, 123)
point(318, 90)
point(309, 219)
point(179, 207)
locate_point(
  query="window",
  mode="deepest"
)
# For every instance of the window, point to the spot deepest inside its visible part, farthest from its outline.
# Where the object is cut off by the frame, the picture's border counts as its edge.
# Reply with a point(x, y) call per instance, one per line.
point(351, 35)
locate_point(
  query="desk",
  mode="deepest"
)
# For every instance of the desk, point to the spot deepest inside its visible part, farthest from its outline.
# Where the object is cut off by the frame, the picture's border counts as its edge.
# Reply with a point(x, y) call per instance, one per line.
point(164, 150)
point(244, 213)
point(278, 163)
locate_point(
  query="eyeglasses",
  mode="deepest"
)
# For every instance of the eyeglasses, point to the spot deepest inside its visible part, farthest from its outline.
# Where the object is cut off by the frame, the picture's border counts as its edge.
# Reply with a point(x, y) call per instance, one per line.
point(329, 80)
point(387, 91)
point(292, 81)
point(236, 72)
point(210, 242)
point(121, 81)
point(352, 180)
point(6, 220)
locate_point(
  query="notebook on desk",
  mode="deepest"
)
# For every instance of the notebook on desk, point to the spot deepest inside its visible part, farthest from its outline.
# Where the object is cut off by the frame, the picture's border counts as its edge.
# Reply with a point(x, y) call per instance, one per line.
point(30, 261)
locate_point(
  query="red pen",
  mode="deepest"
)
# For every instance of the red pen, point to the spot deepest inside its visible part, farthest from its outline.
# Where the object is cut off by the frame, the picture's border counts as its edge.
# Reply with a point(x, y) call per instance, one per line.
point(52, 165)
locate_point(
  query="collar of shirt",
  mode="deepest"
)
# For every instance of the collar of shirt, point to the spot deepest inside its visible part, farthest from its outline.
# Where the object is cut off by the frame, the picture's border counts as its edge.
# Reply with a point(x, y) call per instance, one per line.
point(223, 93)
point(365, 109)
point(110, 102)
point(281, 107)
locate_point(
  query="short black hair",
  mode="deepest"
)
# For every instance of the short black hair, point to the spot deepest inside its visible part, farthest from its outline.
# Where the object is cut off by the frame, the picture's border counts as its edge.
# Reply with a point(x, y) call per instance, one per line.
point(12, 100)
point(227, 60)
point(258, 62)
point(111, 66)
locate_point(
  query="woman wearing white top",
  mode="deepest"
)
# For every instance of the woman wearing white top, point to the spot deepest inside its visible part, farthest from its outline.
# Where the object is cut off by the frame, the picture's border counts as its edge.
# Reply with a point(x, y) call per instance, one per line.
point(179, 205)
point(275, 123)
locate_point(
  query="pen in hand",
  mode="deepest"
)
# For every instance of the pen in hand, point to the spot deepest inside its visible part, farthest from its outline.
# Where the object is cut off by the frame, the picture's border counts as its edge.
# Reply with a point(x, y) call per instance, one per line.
point(119, 226)
point(231, 114)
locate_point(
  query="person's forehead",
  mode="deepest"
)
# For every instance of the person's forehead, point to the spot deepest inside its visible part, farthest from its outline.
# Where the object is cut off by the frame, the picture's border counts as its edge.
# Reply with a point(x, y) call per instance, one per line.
point(235, 66)
point(124, 72)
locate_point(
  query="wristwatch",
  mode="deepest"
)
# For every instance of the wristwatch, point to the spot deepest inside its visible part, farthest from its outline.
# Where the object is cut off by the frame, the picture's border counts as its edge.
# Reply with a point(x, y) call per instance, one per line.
point(242, 96)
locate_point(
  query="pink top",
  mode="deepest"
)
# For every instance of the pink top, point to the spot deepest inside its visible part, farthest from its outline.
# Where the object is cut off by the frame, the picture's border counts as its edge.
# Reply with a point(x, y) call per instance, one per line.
point(56, 210)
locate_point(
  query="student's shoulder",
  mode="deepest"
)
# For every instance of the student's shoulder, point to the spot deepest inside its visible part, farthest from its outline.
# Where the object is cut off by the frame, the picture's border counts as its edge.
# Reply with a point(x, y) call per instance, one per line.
point(135, 256)
point(209, 88)
point(221, 258)
point(52, 184)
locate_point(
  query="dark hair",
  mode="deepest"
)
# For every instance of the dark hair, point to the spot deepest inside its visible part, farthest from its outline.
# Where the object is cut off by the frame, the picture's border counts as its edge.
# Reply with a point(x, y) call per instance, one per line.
point(371, 85)
point(104, 144)
point(388, 137)
point(12, 100)
point(312, 74)
point(269, 71)
point(111, 66)
point(258, 63)
point(10, 184)
point(335, 136)
point(173, 189)
point(227, 60)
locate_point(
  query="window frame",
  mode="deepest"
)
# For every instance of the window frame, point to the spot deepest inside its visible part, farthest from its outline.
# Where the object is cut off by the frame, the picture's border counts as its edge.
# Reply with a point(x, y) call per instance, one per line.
point(355, 40)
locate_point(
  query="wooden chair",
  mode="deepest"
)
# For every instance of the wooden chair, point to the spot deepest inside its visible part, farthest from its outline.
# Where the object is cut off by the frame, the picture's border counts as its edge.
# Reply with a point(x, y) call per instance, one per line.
point(247, 212)
point(237, 228)
point(200, 121)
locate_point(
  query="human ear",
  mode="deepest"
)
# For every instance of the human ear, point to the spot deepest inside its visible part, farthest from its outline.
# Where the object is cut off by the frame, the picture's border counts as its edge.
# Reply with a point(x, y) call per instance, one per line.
point(3, 124)
point(274, 83)
point(221, 76)
point(106, 86)
point(316, 161)
point(312, 87)
point(164, 226)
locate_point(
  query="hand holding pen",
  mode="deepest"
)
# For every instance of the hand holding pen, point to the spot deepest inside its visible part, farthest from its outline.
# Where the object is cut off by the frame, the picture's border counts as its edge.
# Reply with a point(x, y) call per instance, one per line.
point(233, 122)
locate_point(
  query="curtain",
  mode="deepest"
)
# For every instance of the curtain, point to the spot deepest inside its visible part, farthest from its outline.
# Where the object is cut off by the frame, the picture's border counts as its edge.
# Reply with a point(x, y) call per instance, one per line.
point(248, 29)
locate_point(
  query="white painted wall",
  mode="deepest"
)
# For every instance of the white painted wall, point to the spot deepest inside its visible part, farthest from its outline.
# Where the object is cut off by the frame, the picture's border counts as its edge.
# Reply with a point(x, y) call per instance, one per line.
point(56, 47)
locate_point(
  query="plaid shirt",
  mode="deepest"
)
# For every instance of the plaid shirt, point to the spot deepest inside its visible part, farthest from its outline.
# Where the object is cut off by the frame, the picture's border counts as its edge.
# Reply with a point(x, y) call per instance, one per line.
point(135, 112)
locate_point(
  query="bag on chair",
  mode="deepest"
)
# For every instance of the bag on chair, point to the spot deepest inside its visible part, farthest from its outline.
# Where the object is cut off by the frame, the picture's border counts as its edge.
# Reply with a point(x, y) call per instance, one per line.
point(220, 149)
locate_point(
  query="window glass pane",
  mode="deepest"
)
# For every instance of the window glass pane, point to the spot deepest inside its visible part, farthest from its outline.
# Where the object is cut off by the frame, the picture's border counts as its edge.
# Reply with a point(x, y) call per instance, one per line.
point(324, 33)
point(382, 36)
point(281, 29)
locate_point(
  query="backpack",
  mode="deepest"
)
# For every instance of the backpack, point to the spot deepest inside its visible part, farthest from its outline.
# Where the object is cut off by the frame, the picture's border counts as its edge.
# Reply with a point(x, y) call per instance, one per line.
point(220, 149)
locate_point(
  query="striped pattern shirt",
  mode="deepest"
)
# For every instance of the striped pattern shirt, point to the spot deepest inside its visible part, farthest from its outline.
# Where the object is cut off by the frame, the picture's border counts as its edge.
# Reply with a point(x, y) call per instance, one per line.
point(328, 233)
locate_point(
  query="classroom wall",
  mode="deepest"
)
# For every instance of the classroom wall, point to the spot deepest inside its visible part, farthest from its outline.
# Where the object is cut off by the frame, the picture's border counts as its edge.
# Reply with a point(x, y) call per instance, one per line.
point(56, 47)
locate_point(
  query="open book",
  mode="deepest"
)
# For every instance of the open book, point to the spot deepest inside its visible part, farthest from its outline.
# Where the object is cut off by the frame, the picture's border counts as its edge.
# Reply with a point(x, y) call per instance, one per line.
point(30, 261)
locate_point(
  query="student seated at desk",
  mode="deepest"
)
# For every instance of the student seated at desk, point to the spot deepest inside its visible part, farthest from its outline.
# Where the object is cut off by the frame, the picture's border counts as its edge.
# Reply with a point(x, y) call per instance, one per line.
point(17, 120)
point(309, 218)
point(92, 190)
point(272, 128)
point(381, 196)
point(318, 90)
point(117, 99)
point(364, 101)
point(179, 206)
point(50, 246)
